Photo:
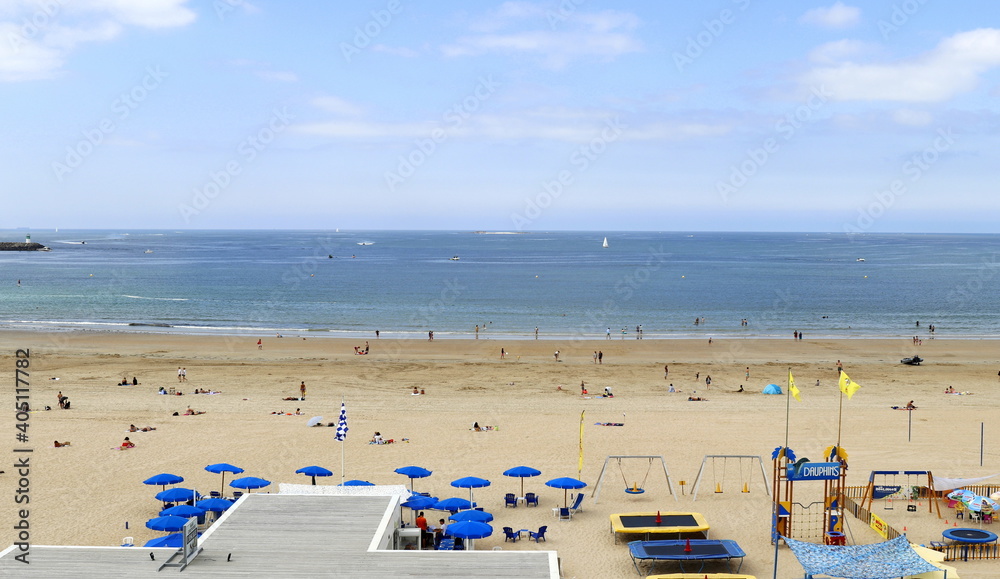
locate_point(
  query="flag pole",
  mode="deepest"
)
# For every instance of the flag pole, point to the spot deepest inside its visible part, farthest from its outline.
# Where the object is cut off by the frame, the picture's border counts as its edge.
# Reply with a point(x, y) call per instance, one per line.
point(840, 417)
point(343, 473)
point(788, 403)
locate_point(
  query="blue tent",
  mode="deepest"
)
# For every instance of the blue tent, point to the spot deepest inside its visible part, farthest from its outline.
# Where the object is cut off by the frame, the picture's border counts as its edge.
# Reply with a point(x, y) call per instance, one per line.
point(886, 560)
point(772, 389)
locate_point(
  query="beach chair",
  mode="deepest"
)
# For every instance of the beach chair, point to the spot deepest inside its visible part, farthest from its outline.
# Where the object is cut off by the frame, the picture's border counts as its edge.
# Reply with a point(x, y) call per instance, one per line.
point(215, 494)
point(237, 495)
point(509, 500)
point(531, 499)
point(510, 535)
point(540, 535)
point(447, 544)
point(576, 507)
point(128, 542)
point(565, 514)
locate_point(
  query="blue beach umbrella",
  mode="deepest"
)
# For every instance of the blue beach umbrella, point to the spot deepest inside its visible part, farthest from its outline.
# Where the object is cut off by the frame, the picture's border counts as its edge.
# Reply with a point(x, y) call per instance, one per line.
point(223, 468)
point(169, 523)
point(173, 541)
point(413, 472)
point(186, 511)
point(214, 505)
point(314, 471)
point(565, 483)
point(356, 483)
point(163, 479)
point(522, 472)
point(419, 502)
point(452, 504)
point(469, 530)
point(249, 483)
point(470, 482)
point(177, 495)
point(472, 515)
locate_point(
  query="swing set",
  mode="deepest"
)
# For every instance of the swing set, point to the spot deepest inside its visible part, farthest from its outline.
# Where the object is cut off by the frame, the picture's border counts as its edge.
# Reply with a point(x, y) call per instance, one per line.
point(890, 490)
point(744, 468)
point(635, 487)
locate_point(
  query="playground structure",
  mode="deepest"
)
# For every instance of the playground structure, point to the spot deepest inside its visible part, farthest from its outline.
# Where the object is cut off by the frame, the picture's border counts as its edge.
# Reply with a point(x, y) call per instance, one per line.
point(829, 512)
point(635, 488)
point(910, 492)
point(745, 472)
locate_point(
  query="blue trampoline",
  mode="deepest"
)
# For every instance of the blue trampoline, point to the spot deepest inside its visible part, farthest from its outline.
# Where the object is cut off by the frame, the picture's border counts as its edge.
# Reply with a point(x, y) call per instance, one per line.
point(701, 550)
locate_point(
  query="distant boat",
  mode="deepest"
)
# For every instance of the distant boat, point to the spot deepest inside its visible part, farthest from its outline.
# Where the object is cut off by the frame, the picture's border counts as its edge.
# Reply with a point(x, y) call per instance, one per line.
point(366, 243)
point(454, 258)
point(860, 259)
point(605, 242)
point(148, 251)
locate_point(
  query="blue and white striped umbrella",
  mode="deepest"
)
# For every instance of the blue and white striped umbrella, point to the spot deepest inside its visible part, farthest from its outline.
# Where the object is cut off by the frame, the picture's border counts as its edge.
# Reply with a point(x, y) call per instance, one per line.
point(342, 424)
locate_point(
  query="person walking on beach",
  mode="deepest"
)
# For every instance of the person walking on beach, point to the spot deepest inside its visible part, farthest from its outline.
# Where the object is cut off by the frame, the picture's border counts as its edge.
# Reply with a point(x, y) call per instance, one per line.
point(376, 334)
point(595, 359)
point(666, 370)
point(600, 357)
point(748, 373)
point(536, 332)
point(608, 333)
point(503, 353)
point(477, 331)
point(260, 344)
point(302, 390)
point(184, 374)
point(840, 369)
point(708, 380)
point(430, 336)
point(180, 374)
point(557, 355)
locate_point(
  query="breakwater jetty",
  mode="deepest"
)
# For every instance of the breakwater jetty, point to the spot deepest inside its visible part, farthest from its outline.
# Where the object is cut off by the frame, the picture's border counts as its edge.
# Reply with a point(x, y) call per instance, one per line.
point(22, 246)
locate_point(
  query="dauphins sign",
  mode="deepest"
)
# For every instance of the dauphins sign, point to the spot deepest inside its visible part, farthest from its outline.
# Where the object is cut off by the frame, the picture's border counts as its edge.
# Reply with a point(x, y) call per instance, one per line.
point(814, 471)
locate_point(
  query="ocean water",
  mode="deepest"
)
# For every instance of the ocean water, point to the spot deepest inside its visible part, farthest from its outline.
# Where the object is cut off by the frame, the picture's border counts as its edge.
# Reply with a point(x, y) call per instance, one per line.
point(404, 283)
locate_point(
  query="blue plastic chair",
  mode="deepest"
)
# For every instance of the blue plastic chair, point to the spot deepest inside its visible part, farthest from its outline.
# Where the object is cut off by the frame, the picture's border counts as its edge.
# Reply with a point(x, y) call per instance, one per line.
point(540, 535)
point(510, 535)
point(531, 499)
point(510, 500)
point(565, 514)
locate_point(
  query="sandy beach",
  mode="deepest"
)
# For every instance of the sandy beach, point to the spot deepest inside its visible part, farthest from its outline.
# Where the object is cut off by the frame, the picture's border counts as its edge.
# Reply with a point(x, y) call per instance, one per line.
point(85, 494)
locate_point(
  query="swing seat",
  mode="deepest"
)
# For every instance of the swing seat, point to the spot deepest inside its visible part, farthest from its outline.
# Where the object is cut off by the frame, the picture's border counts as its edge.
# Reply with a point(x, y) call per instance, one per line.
point(634, 490)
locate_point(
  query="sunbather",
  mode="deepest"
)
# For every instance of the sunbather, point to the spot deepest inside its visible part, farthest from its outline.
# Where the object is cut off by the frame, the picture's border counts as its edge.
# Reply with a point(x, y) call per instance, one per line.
point(61, 444)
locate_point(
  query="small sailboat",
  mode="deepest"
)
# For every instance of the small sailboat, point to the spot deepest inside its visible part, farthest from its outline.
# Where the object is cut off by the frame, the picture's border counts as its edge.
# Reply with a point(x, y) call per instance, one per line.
point(454, 258)
point(148, 251)
point(605, 242)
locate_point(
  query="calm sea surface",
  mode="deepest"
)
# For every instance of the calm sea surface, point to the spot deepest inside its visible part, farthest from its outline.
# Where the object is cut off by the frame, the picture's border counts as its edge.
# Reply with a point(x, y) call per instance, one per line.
point(405, 283)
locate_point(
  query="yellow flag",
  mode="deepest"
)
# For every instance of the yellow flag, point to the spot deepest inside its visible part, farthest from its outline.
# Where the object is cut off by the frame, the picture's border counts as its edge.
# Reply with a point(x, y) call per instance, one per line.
point(848, 386)
point(579, 469)
point(792, 388)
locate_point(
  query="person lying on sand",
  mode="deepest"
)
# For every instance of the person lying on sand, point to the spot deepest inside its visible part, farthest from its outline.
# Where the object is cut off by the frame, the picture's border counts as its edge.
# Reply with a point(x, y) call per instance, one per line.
point(697, 399)
point(133, 428)
point(61, 444)
point(190, 412)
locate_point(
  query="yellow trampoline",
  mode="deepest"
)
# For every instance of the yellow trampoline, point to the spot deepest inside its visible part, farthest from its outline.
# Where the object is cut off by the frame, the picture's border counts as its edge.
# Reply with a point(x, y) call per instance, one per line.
point(670, 523)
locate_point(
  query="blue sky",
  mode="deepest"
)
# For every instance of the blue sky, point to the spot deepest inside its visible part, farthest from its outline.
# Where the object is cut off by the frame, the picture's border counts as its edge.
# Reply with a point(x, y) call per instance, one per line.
point(579, 114)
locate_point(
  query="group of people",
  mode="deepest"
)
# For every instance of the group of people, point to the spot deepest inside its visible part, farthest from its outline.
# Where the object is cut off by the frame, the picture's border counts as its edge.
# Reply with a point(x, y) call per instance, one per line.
point(432, 536)
point(598, 357)
point(182, 374)
point(417, 392)
point(125, 382)
point(63, 401)
point(359, 351)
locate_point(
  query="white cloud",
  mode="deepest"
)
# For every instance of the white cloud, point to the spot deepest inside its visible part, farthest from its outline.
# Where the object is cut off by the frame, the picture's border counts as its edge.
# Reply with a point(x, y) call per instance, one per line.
point(912, 118)
point(953, 67)
point(837, 16)
point(565, 125)
point(838, 51)
point(36, 38)
point(337, 106)
point(605, 35)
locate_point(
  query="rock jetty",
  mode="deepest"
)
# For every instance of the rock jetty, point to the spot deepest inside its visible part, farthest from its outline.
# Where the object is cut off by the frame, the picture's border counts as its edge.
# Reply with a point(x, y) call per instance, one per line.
point(21, 246)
